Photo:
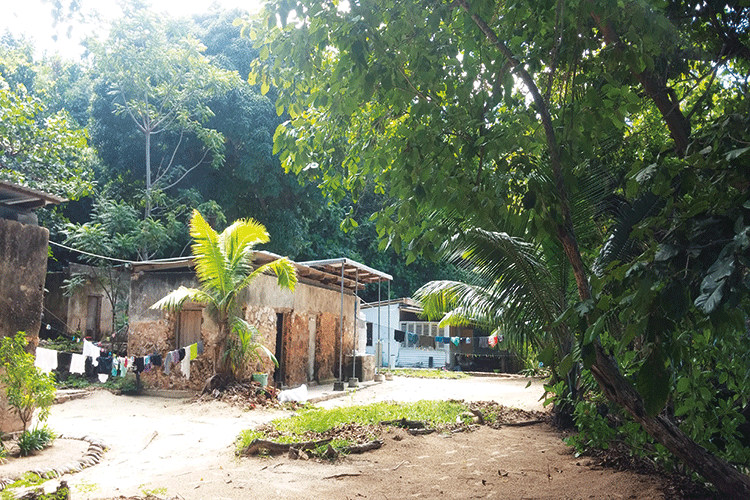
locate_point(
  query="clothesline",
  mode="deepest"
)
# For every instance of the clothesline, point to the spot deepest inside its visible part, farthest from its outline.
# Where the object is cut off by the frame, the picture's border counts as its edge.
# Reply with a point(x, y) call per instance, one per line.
point(95, 361)
point(432, 342)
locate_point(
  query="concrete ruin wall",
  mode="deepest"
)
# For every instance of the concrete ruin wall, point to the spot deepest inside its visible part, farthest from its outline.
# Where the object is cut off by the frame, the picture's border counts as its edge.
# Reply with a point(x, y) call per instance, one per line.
point(23, 266)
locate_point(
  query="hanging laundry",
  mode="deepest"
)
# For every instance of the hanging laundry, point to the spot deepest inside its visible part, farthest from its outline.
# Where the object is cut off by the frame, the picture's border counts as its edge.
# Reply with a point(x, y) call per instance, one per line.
point(156, 359)
point(138, 364)
point(439, 340)
point(492, 340)
point(146, 363)
point(446, 340)
point(78, 364)
point(185, 365)
point(427, 341)
point(105, 365)
point(168, 360)
point(200, 347)
point(484, 342)
point(193, 351)
point(413, 338)
point(399, 335)
point(182, 353)
point(46, 359)
point(467, 340)
point(455, 341)
point(92, 350)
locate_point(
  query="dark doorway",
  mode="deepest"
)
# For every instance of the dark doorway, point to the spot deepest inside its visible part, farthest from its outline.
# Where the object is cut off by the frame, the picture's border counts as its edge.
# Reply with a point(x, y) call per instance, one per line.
point(189, 329)
point(278, 374)
point(94, 317)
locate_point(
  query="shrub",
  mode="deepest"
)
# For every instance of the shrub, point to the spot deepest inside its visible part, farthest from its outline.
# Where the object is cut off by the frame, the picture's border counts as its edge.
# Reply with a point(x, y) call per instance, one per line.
point(35, 440)
point(26, 386)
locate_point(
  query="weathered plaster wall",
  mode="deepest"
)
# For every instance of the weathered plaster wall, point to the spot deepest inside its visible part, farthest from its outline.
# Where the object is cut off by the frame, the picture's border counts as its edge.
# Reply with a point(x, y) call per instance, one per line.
point(264, 319)
point(296, 347)
point(23, 266)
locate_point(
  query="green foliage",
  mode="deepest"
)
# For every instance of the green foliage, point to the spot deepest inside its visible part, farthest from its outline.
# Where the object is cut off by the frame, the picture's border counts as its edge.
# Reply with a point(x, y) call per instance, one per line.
point(42, 149)
point(27, 388)
point(34, 440)
point(225, 269)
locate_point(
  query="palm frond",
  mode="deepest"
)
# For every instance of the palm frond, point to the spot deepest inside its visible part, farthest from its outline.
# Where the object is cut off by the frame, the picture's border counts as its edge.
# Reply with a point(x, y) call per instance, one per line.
point(237, 243)
point(286, 273)
point(210, 260)
point(177, 298)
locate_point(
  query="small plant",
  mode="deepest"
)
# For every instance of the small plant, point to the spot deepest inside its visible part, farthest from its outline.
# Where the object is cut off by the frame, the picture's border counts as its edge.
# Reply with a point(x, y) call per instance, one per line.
point(26, 386)
point(35, 440)
point(243, 349)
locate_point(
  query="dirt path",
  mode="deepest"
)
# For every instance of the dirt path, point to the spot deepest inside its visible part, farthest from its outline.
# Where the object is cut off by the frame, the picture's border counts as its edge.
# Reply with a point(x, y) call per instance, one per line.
point(184, 449)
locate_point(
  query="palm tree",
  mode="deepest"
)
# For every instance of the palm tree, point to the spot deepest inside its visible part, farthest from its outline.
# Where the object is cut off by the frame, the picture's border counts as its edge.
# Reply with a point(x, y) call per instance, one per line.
point(224, 269)
point(514, 291)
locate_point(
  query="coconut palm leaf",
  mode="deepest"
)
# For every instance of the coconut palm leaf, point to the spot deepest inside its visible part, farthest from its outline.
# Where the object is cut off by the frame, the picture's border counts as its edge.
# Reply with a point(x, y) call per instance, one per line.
point(177, 298)
point(209, 259)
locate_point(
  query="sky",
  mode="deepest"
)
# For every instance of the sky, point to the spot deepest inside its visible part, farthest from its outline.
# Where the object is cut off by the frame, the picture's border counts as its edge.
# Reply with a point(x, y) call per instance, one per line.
point(33, 18)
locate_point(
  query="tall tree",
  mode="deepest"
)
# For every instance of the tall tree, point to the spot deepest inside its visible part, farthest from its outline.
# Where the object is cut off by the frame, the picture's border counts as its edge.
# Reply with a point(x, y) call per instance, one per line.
point(160, 81)
point(477, 109)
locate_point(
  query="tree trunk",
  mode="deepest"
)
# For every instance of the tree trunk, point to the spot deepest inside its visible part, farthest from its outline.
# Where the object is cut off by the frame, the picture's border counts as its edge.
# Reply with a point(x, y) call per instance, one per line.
point(728, 480)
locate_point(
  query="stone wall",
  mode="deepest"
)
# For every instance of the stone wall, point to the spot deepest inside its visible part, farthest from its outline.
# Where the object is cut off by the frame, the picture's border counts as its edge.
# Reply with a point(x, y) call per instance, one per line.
point(23, 266)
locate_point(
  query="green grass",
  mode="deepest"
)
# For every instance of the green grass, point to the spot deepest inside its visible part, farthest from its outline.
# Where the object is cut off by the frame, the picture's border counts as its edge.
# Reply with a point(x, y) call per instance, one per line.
point(297, 427)
point(425, 373)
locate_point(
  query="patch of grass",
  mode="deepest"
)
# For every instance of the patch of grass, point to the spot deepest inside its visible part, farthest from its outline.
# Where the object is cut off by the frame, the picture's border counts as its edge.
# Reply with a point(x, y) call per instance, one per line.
point(26, 480)
point(425, 373)
point(320, 420)
point(298, 427)
point(85, 487)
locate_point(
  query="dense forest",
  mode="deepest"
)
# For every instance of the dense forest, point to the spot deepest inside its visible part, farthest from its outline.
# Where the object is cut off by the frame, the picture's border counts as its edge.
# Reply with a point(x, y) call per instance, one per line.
point(81, 129)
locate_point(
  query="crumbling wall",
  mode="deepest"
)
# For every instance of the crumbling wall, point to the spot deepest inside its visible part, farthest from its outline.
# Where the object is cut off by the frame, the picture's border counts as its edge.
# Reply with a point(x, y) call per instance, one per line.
point(23, 267)
point(264, 319)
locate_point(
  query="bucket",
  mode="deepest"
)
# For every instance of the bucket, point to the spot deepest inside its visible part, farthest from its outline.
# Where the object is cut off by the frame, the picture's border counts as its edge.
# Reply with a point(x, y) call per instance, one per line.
point(261, 378)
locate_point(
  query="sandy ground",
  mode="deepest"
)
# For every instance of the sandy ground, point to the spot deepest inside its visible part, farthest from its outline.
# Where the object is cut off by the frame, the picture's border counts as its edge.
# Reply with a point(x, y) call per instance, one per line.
point(183, 449)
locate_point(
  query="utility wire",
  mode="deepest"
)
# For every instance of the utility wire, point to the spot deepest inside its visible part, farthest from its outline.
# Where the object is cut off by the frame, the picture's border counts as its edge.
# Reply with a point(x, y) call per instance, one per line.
point(92, 254)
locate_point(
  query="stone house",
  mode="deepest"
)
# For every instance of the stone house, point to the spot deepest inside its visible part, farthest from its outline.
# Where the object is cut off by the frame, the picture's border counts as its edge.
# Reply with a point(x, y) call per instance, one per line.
point(311, 331)
point(23, 265)
point(87, 311)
